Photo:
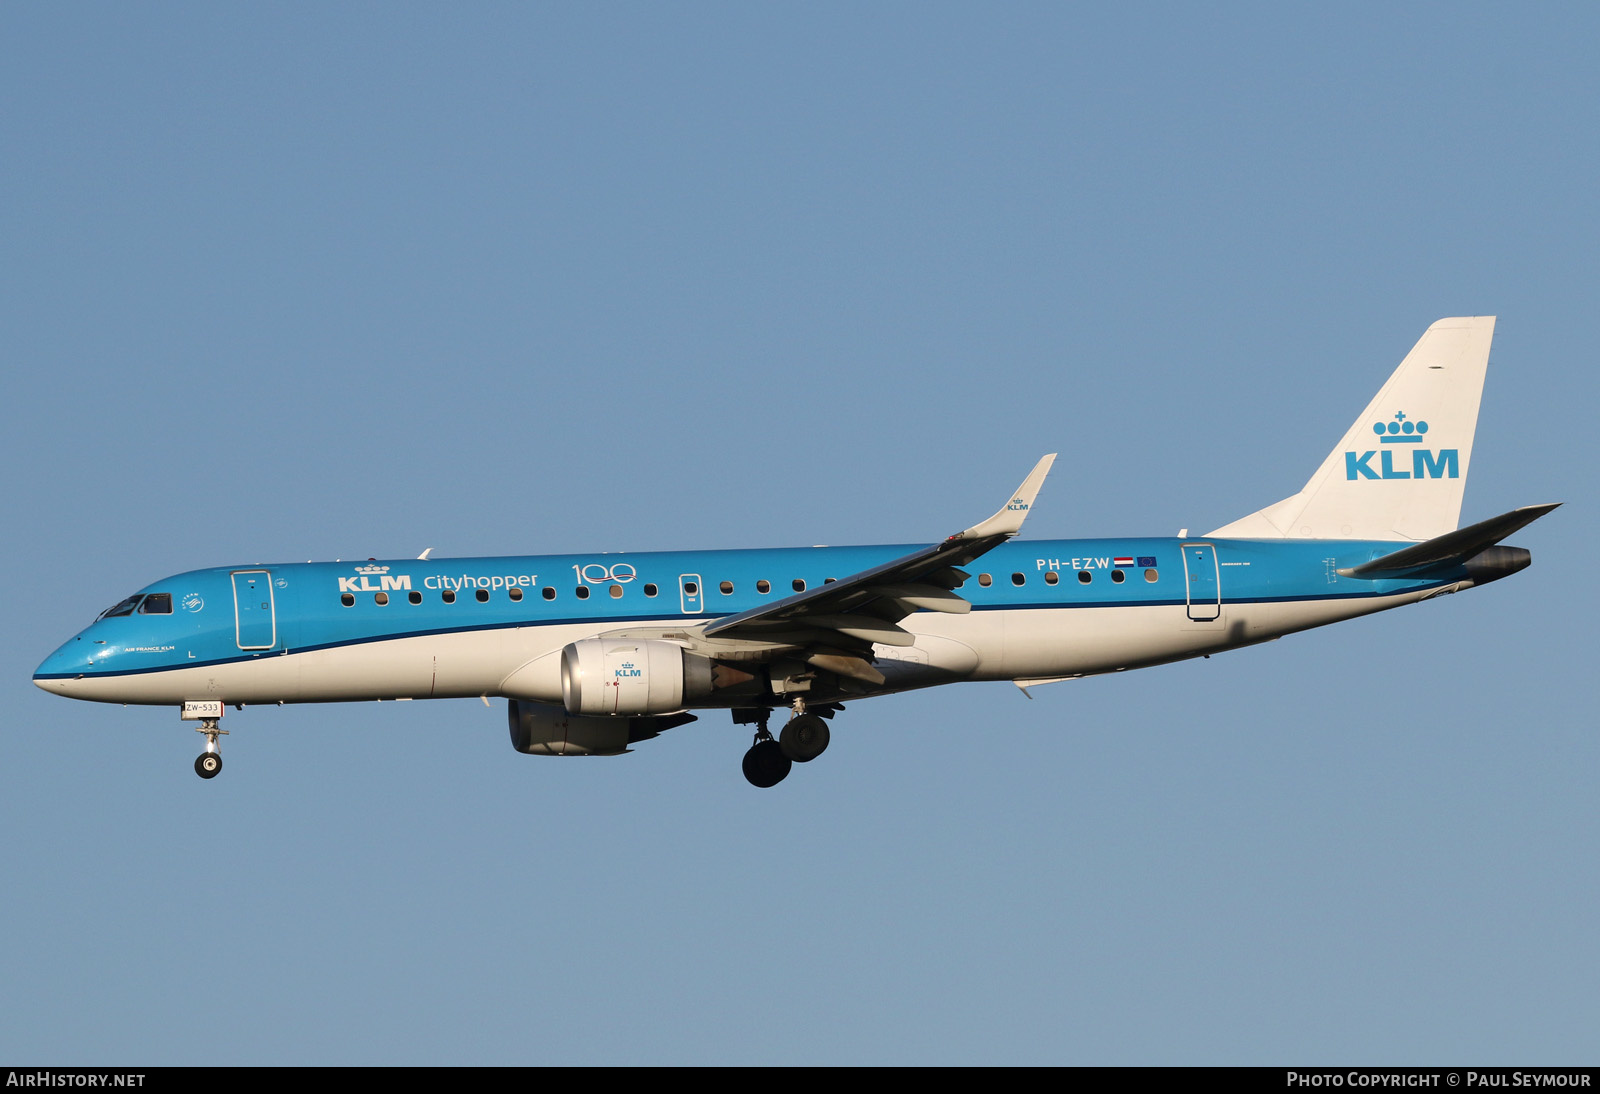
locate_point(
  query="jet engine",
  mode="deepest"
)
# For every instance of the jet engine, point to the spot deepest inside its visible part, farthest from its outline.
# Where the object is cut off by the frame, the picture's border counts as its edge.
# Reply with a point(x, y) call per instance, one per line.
point(610, 676)
point(538, 729)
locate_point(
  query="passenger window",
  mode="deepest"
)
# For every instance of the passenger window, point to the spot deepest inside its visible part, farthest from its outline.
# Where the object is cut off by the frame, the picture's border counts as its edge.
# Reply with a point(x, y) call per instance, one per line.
point(763, 586)
point(650, 589)
point(582, 592)
point(347, 599)
point(448, 596)
point(548, 593)
point(514, 593)
point(483, 596)
point(156, 604)
point(1118, 576)
point(381, 599)
point(414, 596)
point(1051, 577)
point(985, 580)
point(1019, 579)
point(727, 588)
point(690, 588)
point(798, 584)
point(616, 592)
point(1084, 577)
point(1151, 576)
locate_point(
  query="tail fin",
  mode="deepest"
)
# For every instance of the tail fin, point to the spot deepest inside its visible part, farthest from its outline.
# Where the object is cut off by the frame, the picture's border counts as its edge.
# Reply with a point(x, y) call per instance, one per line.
point(1400, 471)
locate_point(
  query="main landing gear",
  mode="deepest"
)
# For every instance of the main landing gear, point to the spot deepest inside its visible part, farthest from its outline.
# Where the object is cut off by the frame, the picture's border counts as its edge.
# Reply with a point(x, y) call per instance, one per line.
point(765, 764)
point(769, 761)
point(209, 763)
point(804, 738)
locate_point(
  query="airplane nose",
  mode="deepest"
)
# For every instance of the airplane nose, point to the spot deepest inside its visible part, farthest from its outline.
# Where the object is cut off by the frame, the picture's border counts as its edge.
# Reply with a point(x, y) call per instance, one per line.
point(56, 672)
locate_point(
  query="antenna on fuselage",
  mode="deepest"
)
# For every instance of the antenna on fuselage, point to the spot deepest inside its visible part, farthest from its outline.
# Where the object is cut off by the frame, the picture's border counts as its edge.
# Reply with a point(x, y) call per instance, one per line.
point(426, 553)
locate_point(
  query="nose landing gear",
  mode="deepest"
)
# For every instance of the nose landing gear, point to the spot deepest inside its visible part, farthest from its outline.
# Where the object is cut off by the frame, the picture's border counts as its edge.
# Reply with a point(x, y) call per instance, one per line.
point(209, 763)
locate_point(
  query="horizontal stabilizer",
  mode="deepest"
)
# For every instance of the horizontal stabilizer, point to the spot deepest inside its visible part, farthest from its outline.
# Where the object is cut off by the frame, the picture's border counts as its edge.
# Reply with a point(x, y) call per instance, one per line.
point(1450, 549)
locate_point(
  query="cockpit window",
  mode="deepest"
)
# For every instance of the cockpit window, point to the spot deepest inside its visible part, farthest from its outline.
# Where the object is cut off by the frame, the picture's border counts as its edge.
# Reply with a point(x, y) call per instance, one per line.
point(156, 604)
point(122, 607)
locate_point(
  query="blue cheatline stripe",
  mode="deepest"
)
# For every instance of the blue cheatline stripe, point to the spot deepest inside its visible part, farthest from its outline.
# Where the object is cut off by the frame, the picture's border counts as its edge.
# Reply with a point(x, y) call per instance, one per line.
point(692, 620)
point(366, 640)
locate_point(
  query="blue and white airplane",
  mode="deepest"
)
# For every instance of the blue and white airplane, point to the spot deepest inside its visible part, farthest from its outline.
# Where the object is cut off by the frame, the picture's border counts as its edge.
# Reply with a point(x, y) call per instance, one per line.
point(596, 653)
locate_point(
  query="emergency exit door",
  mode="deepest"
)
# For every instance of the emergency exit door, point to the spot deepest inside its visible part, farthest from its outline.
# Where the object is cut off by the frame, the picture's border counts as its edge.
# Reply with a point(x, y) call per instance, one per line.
point(692, 594)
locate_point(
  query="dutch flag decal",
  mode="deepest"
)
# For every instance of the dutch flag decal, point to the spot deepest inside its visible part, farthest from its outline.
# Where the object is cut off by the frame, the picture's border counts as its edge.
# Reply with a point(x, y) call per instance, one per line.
point(1123, 561)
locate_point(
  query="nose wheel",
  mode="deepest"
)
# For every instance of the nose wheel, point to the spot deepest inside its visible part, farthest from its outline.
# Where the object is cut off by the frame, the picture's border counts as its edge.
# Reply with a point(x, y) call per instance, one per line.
point(209, 763)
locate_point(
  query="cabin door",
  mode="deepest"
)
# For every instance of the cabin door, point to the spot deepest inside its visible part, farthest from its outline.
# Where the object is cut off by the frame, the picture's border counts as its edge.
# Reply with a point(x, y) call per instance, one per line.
point(1204, 581)
point(254, 617)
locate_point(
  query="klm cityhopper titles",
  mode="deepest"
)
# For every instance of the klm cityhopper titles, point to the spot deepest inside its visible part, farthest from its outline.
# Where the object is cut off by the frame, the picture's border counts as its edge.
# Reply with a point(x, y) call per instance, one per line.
point(598, 653)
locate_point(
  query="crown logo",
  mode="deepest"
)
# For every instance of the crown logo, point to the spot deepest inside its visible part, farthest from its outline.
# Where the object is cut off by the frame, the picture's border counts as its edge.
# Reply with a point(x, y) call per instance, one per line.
point(1400, 431)
point(372, 569)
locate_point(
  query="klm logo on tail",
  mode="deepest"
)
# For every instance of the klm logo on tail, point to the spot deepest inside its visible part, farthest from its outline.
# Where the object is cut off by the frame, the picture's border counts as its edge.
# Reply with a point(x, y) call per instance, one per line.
point(1443, 463)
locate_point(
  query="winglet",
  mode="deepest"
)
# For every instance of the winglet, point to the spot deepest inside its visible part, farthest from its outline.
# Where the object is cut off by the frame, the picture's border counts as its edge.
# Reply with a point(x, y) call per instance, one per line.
point(1008, 521)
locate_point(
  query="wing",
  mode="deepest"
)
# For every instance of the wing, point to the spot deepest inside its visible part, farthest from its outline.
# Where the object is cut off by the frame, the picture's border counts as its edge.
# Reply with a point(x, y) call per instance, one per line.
point(842, 619)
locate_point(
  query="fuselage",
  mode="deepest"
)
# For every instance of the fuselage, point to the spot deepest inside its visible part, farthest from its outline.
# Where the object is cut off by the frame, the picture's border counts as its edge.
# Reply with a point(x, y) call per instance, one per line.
point(452, 628)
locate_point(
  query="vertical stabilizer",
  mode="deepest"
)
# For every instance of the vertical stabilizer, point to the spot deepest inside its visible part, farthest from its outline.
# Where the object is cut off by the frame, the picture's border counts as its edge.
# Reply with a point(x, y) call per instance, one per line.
point(1401, 469)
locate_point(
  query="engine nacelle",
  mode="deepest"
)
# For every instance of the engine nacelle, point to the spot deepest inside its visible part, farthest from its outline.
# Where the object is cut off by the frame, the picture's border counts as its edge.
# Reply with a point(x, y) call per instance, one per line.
point(541, 730)
point(612, 676)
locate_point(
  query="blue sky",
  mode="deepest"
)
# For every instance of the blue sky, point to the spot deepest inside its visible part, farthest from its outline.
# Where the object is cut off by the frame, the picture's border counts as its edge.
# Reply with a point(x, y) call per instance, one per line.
point(302, 282)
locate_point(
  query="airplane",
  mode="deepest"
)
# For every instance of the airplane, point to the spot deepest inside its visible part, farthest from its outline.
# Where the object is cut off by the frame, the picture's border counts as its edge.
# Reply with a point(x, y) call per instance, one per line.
point(595, 653)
